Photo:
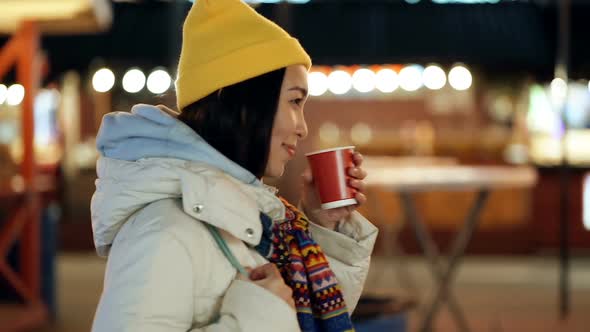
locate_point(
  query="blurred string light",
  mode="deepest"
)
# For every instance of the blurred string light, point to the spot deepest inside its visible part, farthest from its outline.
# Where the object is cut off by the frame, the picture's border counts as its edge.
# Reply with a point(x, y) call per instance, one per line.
point(434, 77)
point(159, 81)
point(15, 94)
point(339, 82)
point(460, 78)
point(318, 83)
point(363, 80)
point(386, 80)
point(411, 77)
point(133, 80)
point(3, 93)
point(103, 80)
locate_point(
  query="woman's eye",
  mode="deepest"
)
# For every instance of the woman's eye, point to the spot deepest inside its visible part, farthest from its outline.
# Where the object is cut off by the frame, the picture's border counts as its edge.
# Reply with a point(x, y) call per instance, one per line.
point(297, 101)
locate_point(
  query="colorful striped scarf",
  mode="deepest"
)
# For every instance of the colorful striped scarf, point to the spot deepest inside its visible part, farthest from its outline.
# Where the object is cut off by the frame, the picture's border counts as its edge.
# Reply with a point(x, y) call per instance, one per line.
point(318, 298)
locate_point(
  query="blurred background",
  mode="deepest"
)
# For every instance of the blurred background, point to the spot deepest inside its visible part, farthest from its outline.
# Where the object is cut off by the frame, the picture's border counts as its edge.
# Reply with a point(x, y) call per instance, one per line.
point(457, 105)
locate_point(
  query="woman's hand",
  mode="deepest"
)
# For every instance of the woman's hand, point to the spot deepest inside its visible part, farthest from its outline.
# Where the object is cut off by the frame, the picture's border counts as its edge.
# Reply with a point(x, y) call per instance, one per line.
point(329, 218)
point(268, 277)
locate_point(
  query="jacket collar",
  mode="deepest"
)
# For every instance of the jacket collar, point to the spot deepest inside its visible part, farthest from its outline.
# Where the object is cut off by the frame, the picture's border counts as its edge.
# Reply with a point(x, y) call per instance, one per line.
point(208, 194)
point(214, 197)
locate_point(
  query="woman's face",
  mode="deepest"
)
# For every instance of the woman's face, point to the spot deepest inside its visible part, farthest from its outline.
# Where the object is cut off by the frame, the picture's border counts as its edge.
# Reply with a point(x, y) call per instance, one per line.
point(289, 125)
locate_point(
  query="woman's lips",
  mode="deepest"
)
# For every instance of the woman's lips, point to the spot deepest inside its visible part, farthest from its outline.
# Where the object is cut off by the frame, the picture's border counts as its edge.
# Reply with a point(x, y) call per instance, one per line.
point(291, 149)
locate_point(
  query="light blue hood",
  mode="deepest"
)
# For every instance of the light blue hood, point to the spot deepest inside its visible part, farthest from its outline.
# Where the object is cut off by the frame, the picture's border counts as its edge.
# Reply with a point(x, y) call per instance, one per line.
point(150, 132)
point(149, 155)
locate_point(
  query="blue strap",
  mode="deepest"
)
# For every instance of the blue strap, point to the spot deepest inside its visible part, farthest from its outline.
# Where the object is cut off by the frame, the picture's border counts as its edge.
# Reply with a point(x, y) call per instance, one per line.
point(226, 251)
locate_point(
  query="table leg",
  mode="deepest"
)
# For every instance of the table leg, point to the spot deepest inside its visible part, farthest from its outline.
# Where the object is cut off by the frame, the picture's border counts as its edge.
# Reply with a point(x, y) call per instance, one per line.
point(391, 246)
point(430, 250)
point(441, 274)
point(456, 254)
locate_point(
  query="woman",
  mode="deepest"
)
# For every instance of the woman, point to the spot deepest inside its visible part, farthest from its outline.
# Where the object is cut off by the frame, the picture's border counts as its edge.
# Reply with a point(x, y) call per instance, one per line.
point(180, 208)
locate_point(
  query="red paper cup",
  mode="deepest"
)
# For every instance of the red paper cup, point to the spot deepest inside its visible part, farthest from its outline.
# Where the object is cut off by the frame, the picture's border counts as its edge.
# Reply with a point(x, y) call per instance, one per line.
point(330, 173)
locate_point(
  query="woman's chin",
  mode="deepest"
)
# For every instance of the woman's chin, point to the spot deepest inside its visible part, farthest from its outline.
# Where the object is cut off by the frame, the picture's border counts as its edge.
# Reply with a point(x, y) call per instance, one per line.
point(275, 172)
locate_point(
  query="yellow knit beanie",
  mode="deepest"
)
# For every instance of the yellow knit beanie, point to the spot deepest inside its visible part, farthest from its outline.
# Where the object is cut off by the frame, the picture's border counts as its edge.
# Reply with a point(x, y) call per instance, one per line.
point(226, 42)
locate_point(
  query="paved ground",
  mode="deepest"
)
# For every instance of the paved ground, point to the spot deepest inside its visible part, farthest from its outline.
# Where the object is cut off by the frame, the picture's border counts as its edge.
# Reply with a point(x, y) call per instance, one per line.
point(515, 294)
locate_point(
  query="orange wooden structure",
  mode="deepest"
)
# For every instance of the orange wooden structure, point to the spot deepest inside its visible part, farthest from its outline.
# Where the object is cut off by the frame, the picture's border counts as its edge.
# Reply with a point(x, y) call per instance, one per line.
point(23, 223)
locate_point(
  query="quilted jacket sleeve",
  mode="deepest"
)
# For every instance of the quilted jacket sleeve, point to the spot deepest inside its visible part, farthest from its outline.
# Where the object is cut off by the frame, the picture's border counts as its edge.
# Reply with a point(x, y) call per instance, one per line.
point(349, 253)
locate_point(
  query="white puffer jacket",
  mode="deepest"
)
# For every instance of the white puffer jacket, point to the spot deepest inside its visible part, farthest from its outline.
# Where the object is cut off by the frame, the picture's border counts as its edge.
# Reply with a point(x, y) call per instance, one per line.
point(165, 273)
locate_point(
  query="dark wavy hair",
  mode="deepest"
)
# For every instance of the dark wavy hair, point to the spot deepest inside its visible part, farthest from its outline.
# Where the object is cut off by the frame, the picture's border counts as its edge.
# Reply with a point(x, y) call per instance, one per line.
point(237, 120)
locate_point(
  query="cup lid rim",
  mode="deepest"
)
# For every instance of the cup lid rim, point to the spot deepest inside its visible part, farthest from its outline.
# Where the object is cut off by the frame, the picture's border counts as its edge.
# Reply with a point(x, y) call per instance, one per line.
point(330, 149)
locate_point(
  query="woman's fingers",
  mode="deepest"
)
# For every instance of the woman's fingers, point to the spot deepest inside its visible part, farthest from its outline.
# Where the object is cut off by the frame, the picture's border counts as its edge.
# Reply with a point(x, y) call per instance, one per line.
point(357, 184)
point(264, 271)
point(357, 158)
point(360, 198)
point(358, 173)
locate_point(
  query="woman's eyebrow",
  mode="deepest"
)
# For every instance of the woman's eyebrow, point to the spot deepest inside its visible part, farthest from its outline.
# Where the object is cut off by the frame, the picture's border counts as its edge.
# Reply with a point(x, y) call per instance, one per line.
point(300, 89)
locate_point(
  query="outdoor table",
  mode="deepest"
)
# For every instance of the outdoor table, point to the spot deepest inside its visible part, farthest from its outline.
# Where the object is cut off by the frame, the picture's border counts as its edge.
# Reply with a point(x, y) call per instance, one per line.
point(404, 180)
